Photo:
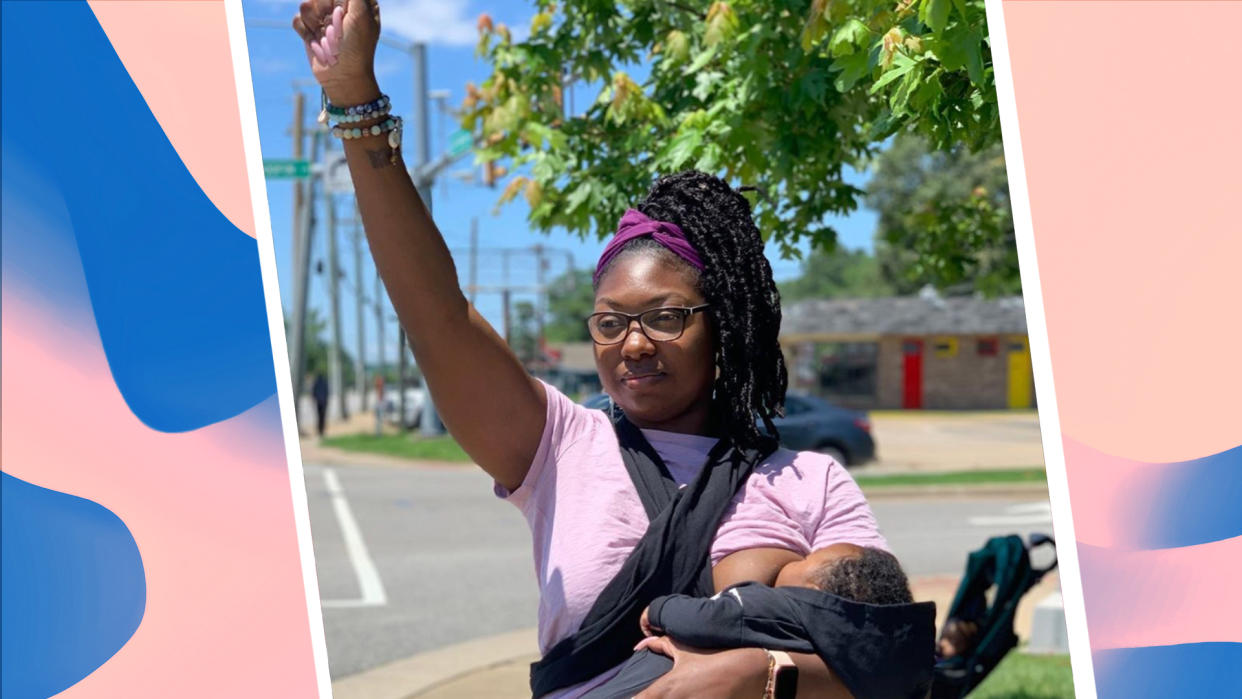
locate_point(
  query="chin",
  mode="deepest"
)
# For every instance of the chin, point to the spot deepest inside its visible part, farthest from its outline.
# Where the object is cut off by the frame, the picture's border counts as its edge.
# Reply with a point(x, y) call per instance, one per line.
point(647, 408)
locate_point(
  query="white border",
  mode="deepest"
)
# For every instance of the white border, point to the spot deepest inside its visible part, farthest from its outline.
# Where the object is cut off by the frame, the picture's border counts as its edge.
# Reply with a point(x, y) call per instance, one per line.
point(1037, 329)
point(276, 328)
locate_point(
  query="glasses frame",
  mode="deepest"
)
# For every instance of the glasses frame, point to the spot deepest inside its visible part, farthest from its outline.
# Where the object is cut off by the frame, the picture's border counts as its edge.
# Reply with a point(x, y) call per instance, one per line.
point(686, 312)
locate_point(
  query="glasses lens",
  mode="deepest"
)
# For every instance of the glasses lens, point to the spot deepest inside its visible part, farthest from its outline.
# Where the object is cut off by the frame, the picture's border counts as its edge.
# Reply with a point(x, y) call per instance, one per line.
point(664, 323)
point(607, 327)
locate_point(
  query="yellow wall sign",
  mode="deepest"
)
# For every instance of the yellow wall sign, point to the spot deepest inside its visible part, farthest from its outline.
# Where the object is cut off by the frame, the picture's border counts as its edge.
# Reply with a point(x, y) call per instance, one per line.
point(944, 347)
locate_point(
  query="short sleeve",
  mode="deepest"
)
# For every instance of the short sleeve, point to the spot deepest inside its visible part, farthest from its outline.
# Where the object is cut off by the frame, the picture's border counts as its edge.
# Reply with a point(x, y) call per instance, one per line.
point(846, 518)
point(565, 423)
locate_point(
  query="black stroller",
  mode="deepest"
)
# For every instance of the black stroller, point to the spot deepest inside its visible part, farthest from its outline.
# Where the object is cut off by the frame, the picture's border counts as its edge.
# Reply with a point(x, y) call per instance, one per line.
point(982, 631)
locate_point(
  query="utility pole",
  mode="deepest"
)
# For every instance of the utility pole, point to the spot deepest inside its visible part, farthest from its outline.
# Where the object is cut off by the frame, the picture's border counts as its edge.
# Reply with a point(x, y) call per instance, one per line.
point(379, 324)
point(540, 298)
point(504, 302)
point(299, 108)
point(504, 295)
point(430, 423)
point(474, 259)
point(301, 280)
point(334, 298)
point(360, 366)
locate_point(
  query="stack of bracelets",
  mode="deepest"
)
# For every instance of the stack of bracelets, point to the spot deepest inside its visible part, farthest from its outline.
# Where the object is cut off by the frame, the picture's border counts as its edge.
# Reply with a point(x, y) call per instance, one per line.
point(378, 109)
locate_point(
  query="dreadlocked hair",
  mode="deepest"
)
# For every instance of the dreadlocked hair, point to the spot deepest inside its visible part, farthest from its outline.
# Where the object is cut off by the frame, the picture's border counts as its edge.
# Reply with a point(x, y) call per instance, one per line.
point(737, 281)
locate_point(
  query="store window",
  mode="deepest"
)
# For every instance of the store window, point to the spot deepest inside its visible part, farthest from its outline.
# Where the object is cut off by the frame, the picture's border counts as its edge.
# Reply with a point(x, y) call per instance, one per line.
point(846, 368)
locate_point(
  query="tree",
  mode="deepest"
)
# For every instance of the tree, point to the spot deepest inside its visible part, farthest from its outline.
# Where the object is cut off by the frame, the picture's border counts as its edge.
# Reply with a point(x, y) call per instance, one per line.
point(524, 335)
point(571, 299)
point(837, 274)
point(945, 219)
point(316, 348)
point(778, 94)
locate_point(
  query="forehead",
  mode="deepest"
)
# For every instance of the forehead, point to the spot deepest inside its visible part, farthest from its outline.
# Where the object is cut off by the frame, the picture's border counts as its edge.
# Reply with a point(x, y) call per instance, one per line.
point(642, 280)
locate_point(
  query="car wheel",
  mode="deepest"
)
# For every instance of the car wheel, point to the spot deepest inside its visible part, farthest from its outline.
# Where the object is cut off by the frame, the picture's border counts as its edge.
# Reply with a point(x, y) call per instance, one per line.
point(835, 453)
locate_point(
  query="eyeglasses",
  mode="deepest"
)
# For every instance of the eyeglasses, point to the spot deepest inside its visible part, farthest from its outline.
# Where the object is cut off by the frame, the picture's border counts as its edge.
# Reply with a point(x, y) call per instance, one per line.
point(658, 324)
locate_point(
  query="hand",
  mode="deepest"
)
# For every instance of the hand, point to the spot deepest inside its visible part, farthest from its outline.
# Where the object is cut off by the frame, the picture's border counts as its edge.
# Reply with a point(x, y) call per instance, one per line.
point(645, 624)
point(741, 673)
point(340, 38)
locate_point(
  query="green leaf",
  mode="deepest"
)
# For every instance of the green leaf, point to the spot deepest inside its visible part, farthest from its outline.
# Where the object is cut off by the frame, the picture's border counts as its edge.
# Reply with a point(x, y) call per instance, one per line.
point(898, 70)
point(702, 60)
point(901, 96)
point(848, 38)
point(578, 196)
point(682, 148)
point(936, 14)
point(973, 46)
point(852, 67)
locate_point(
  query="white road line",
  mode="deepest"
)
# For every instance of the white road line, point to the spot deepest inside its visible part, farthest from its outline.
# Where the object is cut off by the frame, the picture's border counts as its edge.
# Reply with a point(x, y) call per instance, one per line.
point(1009, 520)
point(369, 583)
point(1041, 507)
point(1015, 515)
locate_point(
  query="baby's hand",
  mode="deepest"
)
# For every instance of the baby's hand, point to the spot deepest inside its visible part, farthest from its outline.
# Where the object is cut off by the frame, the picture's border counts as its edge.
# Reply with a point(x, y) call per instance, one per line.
point(645, 624)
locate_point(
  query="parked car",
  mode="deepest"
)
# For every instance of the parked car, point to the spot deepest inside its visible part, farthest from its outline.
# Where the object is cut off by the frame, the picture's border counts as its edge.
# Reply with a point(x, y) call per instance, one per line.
point(810, 424)
point(413, 407)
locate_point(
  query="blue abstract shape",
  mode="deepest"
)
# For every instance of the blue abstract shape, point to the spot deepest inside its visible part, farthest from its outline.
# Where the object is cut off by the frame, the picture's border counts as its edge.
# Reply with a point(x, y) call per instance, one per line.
point(1186, 670)
point(74, 588)
point(41, 265)
point(1193, 502)
point(176, 289)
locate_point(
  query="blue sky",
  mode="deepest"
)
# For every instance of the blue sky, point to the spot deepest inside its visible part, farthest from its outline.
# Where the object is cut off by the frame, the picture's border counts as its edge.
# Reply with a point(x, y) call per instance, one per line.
point(278, 67)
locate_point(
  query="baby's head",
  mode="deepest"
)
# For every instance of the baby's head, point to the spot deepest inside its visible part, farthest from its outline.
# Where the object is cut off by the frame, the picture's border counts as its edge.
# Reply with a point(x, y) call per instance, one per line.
point(856, 573)
point(957, 638)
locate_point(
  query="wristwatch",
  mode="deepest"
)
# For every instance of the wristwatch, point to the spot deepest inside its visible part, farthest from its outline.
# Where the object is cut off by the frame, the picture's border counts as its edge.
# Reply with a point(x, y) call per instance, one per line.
point(782, 676)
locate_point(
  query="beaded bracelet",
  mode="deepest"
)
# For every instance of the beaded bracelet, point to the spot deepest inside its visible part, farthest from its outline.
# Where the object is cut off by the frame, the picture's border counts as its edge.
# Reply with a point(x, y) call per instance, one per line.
point(349, 115)
point(391, 126)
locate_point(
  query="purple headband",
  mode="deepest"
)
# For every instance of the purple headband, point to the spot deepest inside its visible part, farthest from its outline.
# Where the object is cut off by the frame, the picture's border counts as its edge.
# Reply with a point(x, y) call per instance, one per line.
point(636, 224)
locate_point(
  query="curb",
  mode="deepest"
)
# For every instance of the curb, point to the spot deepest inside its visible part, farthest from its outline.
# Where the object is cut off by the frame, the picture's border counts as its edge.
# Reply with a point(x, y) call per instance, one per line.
point(423, 672)
point(883, 492)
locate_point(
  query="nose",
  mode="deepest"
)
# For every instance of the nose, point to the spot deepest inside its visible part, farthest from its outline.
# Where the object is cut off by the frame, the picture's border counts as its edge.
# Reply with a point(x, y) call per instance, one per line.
point(636, 344)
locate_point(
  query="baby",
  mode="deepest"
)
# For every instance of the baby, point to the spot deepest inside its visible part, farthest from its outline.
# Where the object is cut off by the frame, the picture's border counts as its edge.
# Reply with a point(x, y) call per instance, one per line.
point(798, 614)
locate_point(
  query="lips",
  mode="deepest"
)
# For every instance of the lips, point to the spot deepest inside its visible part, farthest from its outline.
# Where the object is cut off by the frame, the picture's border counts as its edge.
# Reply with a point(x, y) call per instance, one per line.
point(636, 379)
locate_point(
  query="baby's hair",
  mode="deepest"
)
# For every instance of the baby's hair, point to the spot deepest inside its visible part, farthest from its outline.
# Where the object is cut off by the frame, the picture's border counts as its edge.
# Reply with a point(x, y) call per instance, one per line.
point(737, 281)
point(871, 577)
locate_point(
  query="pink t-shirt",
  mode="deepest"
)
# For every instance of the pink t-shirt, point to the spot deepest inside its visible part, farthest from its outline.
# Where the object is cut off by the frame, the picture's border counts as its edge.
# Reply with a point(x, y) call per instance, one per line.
point(585, 515)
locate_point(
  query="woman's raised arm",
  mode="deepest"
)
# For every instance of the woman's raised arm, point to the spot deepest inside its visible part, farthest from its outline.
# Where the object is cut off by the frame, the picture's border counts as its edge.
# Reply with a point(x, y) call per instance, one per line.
point(493, 408)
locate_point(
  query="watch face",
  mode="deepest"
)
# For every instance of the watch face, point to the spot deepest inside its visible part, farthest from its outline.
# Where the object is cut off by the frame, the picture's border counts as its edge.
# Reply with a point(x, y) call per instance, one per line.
point(786, 682)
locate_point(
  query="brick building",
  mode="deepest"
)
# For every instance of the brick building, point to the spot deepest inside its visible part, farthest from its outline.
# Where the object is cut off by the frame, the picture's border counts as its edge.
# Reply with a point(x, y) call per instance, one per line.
point(910, 352)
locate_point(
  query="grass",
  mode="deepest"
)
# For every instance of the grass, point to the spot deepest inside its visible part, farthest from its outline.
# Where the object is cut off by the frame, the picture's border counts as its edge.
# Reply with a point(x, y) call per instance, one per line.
point(983, 477)
point(1022, 676)
point(445, 448)
point(408, 447)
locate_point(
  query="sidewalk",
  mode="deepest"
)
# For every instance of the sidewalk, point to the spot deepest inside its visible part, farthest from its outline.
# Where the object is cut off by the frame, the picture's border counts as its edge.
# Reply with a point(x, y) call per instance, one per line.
point(498, 667)
point(906, 442)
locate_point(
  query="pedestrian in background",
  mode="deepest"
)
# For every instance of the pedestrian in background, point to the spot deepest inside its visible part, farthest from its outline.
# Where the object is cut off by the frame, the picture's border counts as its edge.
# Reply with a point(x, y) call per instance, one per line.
point(320, 392)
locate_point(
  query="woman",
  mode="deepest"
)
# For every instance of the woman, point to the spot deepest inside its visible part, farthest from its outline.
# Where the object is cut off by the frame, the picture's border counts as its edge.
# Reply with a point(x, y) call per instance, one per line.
point(685, 329)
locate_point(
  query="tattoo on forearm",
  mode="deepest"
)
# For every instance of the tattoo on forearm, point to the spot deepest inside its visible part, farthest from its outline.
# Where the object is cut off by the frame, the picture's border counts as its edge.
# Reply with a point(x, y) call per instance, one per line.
point(381, 157)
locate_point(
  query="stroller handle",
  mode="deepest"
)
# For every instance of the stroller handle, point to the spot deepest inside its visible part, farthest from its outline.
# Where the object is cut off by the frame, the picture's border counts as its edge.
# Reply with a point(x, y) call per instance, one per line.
point(1037, 539)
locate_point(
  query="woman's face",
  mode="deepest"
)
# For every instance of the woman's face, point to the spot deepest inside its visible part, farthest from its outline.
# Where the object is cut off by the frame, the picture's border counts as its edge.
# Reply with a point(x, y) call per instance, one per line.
point(659, 385)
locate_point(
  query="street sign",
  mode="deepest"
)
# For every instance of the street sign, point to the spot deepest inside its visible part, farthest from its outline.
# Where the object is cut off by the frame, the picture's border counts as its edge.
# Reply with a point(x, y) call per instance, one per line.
point(286, 169)
point(460, 142)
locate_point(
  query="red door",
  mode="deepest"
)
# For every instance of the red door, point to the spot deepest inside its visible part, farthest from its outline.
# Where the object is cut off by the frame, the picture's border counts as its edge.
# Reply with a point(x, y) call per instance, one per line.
point(912, 373)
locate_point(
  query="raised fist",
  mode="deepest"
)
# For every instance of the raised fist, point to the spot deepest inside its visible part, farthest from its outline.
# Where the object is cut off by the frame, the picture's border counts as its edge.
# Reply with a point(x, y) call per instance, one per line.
point(340, 38)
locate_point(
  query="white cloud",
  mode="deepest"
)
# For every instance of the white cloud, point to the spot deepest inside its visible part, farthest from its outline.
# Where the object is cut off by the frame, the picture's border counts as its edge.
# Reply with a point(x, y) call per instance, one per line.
point(443, 22)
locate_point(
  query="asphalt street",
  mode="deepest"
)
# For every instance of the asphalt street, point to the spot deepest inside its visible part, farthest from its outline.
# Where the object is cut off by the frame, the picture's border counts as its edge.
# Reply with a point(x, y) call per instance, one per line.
point(410, 560)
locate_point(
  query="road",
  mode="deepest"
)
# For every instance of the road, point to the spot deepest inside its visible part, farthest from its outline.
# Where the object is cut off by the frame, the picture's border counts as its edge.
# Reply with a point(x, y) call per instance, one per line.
point(412, 560)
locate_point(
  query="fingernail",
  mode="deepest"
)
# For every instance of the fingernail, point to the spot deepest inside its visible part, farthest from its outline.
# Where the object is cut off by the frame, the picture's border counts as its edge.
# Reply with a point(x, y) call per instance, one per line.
point(318, 51)
point(331, 44)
